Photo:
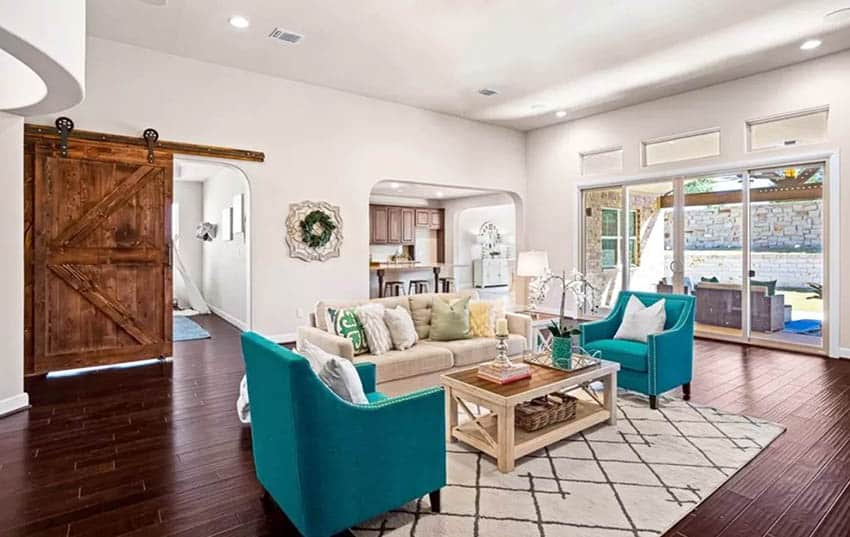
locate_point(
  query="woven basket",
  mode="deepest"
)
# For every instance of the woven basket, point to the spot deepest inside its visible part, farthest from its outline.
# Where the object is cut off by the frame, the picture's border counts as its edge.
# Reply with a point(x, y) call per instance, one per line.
point(546, 410)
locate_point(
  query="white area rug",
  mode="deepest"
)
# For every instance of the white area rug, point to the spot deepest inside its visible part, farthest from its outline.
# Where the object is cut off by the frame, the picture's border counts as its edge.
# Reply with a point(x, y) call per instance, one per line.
point(637, 478)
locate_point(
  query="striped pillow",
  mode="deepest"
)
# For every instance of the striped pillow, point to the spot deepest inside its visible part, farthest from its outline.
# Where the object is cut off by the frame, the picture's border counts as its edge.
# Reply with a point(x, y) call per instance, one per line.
point(371, 316)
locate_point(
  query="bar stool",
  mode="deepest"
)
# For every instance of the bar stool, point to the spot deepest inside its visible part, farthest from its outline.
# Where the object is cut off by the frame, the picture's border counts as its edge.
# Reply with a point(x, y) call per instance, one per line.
point(447, 284)
point(393, 288)
point(418, 287)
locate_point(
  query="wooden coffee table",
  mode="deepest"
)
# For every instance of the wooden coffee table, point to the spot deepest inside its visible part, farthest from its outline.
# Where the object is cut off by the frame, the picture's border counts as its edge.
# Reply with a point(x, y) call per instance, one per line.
point(496, 434)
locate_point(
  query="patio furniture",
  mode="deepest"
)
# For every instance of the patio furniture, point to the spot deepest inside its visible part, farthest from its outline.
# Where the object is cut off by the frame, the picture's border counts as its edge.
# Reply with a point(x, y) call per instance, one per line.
point(719, 304)
point(664, 362)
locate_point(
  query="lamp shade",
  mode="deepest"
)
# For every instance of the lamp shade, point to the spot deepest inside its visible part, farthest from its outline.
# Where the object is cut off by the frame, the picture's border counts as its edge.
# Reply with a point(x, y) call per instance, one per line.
point(532, 264)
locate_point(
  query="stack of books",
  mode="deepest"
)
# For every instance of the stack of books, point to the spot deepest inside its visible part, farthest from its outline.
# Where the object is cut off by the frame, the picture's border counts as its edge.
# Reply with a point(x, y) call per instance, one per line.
point(504, 375)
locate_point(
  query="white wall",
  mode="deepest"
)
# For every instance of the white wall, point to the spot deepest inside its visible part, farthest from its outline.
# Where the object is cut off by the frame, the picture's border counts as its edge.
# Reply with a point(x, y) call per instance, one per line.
point(190, 197)
point(553, 153)
point(12, 394)
point(225, 263)
point(320, 144)
point(466, 225)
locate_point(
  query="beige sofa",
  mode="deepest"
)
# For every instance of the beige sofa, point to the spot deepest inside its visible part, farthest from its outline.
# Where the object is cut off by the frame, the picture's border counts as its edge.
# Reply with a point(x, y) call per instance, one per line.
point(426, 357)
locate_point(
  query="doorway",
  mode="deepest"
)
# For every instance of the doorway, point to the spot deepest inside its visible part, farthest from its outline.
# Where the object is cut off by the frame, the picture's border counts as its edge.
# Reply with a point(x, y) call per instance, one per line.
point(748, 244)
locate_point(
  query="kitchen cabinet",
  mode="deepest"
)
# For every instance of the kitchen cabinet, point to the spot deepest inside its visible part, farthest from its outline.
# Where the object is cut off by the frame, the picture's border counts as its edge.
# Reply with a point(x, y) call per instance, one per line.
point(394, 225)
point(436, 220)
point(423, 218)
point(379, 224)
point(490, 272)
point(408, 227)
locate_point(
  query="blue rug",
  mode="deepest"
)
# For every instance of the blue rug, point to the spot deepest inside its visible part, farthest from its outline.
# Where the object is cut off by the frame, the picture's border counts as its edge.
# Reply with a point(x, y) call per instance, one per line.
point(185, 329)
point(802, 326)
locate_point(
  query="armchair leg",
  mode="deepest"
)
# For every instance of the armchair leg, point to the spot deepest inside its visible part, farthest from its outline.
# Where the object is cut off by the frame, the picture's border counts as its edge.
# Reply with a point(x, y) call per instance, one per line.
point(653, 402)
point(435, 501)
point(686, 391)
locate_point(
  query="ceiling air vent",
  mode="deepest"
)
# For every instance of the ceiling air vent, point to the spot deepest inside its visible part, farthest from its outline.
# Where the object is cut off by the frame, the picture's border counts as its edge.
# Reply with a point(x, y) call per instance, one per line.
point(286, 36)
point(488, 92)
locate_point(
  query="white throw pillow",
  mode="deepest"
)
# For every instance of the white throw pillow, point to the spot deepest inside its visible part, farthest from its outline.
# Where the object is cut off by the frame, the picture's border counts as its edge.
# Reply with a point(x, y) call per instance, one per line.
point(371, 316)
point(640, 321)
point(337, 373)
point(401, 327)
point(497, 310)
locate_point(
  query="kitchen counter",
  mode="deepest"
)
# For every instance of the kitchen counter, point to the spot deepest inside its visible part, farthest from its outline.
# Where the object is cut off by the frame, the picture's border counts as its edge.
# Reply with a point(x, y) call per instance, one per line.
point(381, 270)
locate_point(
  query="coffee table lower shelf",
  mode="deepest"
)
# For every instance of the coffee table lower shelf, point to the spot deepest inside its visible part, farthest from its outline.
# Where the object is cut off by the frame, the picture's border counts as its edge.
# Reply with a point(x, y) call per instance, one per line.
point(588, 414)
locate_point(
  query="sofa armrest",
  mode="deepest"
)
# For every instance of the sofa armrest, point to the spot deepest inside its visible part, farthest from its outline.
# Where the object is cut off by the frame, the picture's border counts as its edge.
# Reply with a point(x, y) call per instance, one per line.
point(367, 372)
point(596, 330)
point(332, 343)
point(518, 324)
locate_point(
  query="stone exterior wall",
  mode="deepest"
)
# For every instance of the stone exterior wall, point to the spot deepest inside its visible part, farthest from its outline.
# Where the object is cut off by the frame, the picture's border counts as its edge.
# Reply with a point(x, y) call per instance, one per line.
point(795, 226)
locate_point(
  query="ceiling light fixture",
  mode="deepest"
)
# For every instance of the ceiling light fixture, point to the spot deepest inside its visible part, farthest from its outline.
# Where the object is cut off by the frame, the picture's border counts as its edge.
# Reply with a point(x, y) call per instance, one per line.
point(811, 44)
point(488, 92)
point(395, 186)
point(440, 194)
point(561, 113)
point(238, 21)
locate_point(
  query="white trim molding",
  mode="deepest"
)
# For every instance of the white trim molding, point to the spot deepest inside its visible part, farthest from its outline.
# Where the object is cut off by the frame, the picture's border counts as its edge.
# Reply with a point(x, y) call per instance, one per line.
point(241, 325)
point(13, 404)
point(844, 352)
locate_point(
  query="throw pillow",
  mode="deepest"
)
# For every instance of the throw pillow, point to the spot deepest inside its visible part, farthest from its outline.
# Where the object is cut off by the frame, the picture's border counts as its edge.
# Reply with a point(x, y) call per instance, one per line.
point(450, 321)
point(769, 284)
point(337, 373)
point(346, 324)
point(401, 327)
point(497, 311)
point(377, 334)
point(640, 321)
point(479, 320)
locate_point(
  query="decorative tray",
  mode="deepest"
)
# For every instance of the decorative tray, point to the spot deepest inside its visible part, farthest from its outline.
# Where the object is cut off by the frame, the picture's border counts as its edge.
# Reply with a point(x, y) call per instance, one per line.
point(577, 362)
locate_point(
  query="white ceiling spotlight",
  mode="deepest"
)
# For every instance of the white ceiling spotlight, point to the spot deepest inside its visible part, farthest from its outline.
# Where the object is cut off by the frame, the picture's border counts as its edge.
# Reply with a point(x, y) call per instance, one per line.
point(238, 21)
point(395, 186)
point(440, 194)
point(811, 44)
point(561, 113)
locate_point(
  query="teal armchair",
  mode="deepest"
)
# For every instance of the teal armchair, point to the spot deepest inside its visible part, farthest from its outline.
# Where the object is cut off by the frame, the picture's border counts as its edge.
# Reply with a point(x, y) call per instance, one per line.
point(664, 362)
point(329, 464)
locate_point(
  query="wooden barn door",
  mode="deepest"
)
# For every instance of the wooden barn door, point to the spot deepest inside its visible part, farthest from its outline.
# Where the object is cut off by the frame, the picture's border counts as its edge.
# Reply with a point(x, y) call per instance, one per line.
point(99, 249)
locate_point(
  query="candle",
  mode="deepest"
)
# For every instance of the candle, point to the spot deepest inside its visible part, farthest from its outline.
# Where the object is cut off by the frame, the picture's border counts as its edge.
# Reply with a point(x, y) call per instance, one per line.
point(502, 327)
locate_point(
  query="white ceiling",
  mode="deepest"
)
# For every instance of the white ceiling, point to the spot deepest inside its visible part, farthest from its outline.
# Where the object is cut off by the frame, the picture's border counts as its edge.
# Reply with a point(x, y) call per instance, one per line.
point(400, 189)
point(542, 55)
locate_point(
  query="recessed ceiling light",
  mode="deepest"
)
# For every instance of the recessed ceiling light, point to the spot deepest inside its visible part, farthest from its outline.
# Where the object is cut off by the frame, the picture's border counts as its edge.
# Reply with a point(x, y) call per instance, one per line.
point(238, 21)
point(488, 92)
point(811, 44)
point(561, 113)
point(440, 194)
point(395, 186)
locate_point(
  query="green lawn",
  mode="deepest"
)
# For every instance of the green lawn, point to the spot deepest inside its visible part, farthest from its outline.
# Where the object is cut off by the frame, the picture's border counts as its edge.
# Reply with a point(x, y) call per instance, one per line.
point(800, 302)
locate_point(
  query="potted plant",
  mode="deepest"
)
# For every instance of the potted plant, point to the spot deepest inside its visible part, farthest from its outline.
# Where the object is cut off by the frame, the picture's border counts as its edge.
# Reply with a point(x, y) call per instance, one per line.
point(562, 340)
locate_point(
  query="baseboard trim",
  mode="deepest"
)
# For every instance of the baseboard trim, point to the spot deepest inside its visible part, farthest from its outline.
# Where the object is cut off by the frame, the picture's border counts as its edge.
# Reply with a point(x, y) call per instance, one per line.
point(241, 325)
point(281, 338)
point(844, 352)
point(16, 403)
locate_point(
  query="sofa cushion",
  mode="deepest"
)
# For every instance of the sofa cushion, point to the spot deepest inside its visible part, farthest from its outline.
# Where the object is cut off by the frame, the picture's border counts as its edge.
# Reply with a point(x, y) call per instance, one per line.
point(630, 354)
point(479, 349)
point(450, 319)
point(420, 308)
point(420, 359)
point(321, 311)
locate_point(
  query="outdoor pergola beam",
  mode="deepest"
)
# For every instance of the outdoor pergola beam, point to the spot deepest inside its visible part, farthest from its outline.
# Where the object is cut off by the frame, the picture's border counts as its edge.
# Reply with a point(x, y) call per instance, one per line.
point(800, 192)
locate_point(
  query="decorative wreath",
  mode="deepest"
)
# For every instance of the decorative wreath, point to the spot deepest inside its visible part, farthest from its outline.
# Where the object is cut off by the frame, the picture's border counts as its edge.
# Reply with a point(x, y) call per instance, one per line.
point(316, 229)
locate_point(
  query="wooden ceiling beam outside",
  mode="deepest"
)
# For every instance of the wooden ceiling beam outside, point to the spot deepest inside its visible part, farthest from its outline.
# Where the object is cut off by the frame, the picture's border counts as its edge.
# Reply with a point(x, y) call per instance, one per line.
point(805, 192)
point(182, 148)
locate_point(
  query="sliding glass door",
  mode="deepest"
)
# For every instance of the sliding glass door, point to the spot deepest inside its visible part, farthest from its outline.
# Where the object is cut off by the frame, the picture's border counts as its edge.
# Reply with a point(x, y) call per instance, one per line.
point(747, 245)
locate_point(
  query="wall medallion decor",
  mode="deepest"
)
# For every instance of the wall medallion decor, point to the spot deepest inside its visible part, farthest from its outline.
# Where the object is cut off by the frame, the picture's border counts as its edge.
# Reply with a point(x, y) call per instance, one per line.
point(313, 230)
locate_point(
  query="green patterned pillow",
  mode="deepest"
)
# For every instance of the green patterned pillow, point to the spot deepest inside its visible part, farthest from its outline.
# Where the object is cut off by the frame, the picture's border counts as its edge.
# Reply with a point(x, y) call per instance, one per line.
point(346, 324)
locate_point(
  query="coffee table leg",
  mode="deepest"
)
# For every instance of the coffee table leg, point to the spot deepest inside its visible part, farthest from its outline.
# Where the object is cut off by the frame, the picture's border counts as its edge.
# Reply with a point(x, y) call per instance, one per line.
point(611, 397)
point(451, 414)
point(505, 439)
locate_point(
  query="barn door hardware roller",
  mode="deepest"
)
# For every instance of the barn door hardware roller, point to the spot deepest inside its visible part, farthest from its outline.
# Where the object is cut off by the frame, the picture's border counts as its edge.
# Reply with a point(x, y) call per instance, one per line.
point(64, 125)
point(150, 136)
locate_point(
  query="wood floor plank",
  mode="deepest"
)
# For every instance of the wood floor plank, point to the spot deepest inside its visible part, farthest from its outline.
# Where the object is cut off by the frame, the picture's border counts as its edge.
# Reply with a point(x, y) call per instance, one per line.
point(157, 450)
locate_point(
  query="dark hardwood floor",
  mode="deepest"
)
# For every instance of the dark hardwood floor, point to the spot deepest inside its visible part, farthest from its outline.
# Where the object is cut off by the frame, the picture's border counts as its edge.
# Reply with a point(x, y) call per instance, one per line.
point(157, 450)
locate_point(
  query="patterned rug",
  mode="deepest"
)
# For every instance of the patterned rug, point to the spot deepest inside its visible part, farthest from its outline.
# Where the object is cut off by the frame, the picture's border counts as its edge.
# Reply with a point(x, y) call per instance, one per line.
point(637, 478)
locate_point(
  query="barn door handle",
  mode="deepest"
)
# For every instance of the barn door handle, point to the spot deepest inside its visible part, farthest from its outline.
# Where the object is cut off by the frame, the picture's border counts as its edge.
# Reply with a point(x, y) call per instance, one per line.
point(64, 125)
point(150, 136)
